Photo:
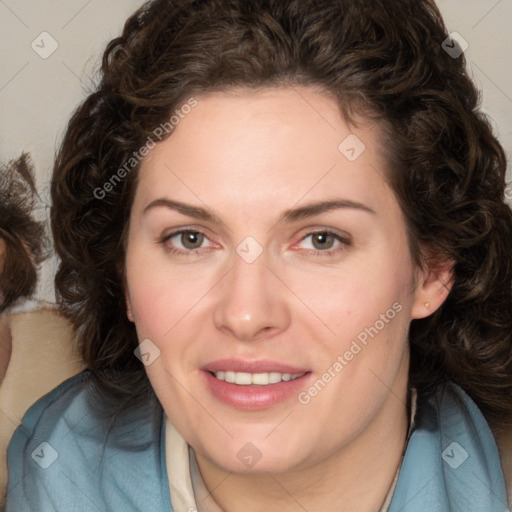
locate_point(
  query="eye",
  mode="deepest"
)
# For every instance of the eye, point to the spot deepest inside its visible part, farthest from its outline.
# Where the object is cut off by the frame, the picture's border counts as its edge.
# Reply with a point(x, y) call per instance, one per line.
point(326, 242)
point(184, 241)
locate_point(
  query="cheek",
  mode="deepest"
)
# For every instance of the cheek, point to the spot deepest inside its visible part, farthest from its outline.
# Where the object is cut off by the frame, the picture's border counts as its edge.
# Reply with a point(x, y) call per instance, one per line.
point(163, 307)
point(161, 295)
point(147, 300)
point(353, 297)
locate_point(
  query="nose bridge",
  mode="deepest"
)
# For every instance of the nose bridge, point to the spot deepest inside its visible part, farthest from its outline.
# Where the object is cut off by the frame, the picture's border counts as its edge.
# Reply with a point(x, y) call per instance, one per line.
point(251, 300)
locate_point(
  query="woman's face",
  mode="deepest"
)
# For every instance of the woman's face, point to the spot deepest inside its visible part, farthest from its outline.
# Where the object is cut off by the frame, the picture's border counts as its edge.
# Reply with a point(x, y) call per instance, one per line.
point(305, 307)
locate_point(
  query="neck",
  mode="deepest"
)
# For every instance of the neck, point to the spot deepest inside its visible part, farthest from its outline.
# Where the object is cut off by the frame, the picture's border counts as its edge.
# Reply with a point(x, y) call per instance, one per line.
point(356, 477)
point(5, 345)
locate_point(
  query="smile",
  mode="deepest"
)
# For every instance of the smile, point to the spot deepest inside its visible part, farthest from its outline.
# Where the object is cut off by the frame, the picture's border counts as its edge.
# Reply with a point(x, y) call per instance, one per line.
point(256, 379)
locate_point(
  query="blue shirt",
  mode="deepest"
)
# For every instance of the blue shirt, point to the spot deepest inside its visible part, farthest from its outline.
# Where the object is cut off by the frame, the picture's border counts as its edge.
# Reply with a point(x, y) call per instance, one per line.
point(77, 451)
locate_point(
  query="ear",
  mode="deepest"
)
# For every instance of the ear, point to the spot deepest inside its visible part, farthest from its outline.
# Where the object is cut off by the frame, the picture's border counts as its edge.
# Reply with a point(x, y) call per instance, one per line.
point(432, 288)
point(129, 312)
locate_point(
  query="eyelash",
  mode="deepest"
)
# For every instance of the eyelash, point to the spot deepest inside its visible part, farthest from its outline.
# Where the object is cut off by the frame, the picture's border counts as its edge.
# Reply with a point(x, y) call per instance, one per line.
point(344, 242)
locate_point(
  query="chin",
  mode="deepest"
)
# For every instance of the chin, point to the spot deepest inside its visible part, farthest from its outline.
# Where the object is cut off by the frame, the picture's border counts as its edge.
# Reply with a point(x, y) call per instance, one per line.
point(254, 455)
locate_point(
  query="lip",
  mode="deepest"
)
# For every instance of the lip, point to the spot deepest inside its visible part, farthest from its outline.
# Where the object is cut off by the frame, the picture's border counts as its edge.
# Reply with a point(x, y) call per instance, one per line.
point(253, 397)
point(262, 366)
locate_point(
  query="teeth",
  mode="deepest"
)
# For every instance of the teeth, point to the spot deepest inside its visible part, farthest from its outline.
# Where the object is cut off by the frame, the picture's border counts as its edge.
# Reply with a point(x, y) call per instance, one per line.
point(259, 379)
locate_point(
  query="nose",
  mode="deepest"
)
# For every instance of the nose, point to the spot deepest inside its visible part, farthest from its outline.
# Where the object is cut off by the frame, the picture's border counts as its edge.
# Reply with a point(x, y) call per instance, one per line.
point(252, 304)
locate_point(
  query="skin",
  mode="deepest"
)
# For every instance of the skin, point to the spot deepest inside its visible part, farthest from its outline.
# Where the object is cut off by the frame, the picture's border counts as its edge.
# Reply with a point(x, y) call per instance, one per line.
point(249, 156)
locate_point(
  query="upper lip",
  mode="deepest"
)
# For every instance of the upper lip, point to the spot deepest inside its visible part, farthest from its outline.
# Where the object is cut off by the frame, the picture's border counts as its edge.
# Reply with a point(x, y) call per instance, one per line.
point(240, 365)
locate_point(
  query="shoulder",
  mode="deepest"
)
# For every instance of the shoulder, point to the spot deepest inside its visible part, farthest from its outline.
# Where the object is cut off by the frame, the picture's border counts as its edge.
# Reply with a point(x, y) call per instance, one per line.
point(458, 422)
point(460, 465)
point(76, 447)
point(496, 446)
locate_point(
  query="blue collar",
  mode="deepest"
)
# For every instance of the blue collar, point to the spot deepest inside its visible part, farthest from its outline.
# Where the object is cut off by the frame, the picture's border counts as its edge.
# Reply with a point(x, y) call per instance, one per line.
point(451, 462)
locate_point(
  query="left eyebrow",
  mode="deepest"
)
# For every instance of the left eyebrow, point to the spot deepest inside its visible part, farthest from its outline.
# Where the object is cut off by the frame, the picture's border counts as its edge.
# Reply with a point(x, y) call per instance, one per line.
point(312, 209)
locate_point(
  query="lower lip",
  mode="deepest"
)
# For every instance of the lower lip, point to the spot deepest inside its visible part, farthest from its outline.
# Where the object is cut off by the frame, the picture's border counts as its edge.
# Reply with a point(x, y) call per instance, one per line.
point(252, 397)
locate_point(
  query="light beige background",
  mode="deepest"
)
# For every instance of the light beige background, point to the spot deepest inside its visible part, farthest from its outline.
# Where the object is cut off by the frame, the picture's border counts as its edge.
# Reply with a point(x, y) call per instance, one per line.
point(37, 95)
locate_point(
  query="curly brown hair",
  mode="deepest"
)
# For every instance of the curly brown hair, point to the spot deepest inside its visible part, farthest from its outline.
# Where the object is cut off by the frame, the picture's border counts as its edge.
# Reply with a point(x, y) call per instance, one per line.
point(381, 59)
point(25, 241)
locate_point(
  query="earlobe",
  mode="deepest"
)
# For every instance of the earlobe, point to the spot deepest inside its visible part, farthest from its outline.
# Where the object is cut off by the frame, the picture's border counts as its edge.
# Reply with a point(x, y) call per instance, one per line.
point(433, 288)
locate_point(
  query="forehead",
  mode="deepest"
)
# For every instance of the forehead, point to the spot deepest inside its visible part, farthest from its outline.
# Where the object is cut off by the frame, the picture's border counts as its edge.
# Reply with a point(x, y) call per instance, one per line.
point(281, 143)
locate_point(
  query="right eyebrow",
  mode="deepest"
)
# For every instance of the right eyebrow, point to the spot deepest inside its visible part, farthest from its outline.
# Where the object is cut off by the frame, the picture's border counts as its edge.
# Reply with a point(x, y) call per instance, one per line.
point(183, 208)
